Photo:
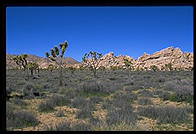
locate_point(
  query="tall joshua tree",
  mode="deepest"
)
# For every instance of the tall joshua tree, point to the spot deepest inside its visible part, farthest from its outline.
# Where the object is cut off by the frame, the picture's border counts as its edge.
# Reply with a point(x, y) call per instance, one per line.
point(57, 56)
point(92, 60)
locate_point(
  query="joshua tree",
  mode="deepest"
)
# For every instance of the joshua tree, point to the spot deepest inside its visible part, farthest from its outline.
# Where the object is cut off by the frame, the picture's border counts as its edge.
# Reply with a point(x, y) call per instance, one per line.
point(92, 60)
point(57, 56)
point(33, 66)
point(51, 67)
point(21, 61)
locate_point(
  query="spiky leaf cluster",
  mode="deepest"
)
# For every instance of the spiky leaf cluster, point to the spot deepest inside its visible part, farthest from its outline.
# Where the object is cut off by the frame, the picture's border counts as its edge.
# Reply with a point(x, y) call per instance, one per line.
point(33, 66)
point(92, 59)
point(55, 52)
point(21, 60)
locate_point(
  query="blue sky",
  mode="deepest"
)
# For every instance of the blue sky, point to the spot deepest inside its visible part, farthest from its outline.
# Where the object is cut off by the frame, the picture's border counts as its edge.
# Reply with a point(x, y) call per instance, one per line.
point(122, 30)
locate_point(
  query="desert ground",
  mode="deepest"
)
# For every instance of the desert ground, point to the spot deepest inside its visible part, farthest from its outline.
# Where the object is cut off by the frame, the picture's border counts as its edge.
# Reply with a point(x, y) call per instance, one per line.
point(117, 100)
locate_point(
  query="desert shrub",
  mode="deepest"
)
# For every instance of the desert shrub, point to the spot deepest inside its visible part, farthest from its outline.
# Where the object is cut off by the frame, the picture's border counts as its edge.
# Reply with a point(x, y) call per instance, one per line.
point(95, 121)
point(9, 110)
point(79, 102)
point(145, 93)
point(20, 82)
point(22, 119)
point(133, 88)
point(102, 86)
point(60, 113)
point(20, 102)
point(167, 114)
point(80, 126)
point(163, 94)
point(95, 99)
point(84, 113)
point(182, 97)
point(59, 100)
point(120, 100)
point(183, 91)
point(91, 86)
point(46, 106)
point(46, 86)
point(70, 94)
point(145, 101)
point(29, 89)
point(116, 116)
point(171, 85)
point(62, 126)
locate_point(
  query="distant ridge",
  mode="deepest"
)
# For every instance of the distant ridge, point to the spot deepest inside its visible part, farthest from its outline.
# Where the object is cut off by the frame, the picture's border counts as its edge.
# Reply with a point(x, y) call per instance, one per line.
point(175, 56)
point(43, 62)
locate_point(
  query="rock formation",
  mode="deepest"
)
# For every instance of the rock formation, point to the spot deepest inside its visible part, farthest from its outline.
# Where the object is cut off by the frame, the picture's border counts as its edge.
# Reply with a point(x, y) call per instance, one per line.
point(175, 56)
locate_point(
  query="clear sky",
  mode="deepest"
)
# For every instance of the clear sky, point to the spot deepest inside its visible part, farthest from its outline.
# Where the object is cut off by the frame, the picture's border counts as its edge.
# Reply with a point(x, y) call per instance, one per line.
point(122, 30)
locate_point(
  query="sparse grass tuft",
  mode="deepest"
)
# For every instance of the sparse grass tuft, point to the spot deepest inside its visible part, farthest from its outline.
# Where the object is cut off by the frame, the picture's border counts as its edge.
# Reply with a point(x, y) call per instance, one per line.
point(167, 114)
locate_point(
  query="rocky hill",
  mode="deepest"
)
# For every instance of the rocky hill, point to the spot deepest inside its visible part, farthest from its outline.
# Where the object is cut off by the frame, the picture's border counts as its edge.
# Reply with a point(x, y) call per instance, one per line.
point(43, 62)
point(175, 56)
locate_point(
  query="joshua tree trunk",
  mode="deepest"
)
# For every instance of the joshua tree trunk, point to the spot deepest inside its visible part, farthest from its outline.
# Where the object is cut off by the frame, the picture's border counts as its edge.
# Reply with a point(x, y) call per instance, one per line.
point(60, 73)
point(27, 73)
point(94, 73)
point(31, 72)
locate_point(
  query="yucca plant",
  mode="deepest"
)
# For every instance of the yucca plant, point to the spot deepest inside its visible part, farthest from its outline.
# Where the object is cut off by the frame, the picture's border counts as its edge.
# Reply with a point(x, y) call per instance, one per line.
point(33, 66)
point(57, 57)
point(92, 60)
point(21, 62)
point(51, 67)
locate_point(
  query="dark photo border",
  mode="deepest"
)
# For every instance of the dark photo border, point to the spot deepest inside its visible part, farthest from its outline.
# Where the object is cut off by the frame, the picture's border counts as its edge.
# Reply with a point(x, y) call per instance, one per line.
point(8, 3)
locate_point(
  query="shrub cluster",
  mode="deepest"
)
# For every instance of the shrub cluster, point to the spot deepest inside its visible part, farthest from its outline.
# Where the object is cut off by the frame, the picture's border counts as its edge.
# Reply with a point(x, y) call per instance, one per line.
point(167, 114)
point(183, 90)
point(22, 118)
point(67, 126)
point(120, 109)
point(116, 116)
point(145, 101)
point(46, 106)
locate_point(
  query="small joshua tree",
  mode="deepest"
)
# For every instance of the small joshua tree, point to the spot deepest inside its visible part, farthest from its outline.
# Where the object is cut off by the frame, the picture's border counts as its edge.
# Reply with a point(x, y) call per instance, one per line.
point(32, 66)
point(92, 60)
point(22, 62)
point(51, 67)
point(57, 57)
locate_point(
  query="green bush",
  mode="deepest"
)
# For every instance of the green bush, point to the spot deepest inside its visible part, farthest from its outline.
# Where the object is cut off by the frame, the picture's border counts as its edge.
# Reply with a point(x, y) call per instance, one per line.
point(46, 106)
